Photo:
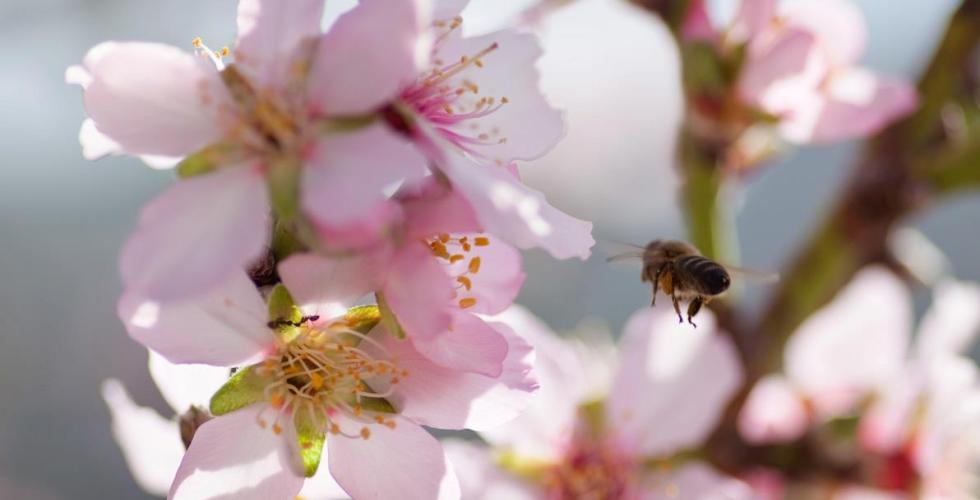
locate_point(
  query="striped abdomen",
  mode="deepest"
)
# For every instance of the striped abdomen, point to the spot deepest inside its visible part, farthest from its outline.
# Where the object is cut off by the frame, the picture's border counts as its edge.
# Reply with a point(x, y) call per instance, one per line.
point(708, 276)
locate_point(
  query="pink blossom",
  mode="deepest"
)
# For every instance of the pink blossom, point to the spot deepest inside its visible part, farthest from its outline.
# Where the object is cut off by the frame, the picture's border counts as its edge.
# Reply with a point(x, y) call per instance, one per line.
point(254, 122)
point(252, 450)
point(667, 393)
point(802, 67)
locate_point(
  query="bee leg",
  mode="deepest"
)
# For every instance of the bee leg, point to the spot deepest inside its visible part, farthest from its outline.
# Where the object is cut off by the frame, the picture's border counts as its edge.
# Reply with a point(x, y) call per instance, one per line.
point(677, 307)
point(656, 285)
point(693, 308)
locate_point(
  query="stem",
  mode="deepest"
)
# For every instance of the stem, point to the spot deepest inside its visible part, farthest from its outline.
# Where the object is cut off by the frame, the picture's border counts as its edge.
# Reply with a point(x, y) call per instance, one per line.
point(908, 164)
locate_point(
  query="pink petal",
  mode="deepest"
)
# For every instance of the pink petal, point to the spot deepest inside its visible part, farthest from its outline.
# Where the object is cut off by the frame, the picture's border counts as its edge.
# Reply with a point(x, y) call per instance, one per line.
point(405, 462)
point(186, 385)
point(480, 478)
point(269, 31)
point(326, 286)
point(886, 423)
point(517, 213)
point(225, 327)
point(94, 143)
point(838, 26)
point(695, 481)
point(528, 123)
point(442, 397)
point(368, 54)
point(545, 428)
point(371, 231)
point(136, 101)
point(752, 18)
point(853, 344)
point(469, 344)
point(499, 278)
point(348, 173)
point(697, 24)
point(952, 324)
point(778, 71)
point(773, 413)
point(419, 292)
point(432, 208)
point(322, 486)
point(673, 382)
point(150, 443)
point(232, 457)
point(857, 104)
point(863, 493)
point(197, 234)
point(444, 10)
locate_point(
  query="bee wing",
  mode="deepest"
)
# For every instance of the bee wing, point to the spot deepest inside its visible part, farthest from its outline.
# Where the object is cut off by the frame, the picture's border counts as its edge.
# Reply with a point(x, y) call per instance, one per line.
point(755, 275)
point(617, 251)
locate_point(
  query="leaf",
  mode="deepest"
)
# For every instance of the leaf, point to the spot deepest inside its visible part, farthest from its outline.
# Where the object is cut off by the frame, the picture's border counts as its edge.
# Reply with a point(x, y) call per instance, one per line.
point(388, 318)
point(245, 387)
point(310, 438)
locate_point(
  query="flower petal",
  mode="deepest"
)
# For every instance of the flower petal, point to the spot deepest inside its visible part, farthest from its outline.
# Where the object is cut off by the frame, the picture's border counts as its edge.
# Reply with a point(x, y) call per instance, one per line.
point(517, 213)
point(673, 383)
point(545, 428)
point(225, 327)
point(838, 26)
point(696, 481)
point(197, 234)
point(322, 486)
point(94, 143)
point(526, 126)
point(858, 103)
point(185, 385)
point(232, 457)
point(326, 286)
point(442, 397)
point(348, 173)
point(154, 99)
point(773, 413)
point(368, 54)
point(752, 17)
point(419, 292)
point(405, 462)
point(777, 71)
point(479, 476)
point(269, 31)
point(150, 443)
point(852, 345)
point(952, 324)
point(445, 10)
point(432, 208)
point(469, 345)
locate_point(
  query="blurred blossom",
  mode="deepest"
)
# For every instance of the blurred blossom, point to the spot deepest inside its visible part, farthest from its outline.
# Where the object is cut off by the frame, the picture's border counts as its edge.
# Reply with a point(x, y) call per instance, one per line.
point(669, 387)
point(918, 402)
point(802, 68)
point(317, 375)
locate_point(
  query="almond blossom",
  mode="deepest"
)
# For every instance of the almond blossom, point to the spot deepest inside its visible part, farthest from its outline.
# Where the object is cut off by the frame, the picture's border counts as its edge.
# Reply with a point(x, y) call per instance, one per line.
point(624, 440)
point(802, 67)
point(319, 380)
point(311, 130)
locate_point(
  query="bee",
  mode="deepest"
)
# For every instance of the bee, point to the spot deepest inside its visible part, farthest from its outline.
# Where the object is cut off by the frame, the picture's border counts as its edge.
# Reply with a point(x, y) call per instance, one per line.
point(683, 274)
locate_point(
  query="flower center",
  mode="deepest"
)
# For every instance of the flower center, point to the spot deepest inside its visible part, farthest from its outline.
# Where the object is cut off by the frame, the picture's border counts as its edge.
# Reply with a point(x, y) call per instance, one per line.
point(588, 471)
point(324, 372)
point(446, 98)
point(458, 252)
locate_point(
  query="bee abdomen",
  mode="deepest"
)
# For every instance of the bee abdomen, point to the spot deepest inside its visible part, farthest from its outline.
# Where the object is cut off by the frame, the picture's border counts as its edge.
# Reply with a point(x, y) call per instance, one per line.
point(711, 278)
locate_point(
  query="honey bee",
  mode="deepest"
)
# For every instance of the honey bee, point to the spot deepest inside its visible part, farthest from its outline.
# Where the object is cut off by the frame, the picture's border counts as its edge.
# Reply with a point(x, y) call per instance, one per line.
point(683, 274)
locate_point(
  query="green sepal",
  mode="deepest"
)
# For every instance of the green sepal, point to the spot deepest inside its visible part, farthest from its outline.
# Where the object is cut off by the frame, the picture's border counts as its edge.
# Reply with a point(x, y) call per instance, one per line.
point(388, 318)
point(282, 180)
point(245, 387)
point(285, 241)
point(310, 438)
point(378, 405)
point(208, 160)
point(282, 308)
point(345, 123)
point(528, 468)
point(361, 319)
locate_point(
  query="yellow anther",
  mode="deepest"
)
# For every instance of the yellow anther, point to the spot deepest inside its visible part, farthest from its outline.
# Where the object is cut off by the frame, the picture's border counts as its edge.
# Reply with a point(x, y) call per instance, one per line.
point(474, 266)
point(316, 380)
point(466, 282)
point(365, 432)
point(390, 424)
point(276, 429)
point(197, 42)
point(456, 258)
point(444, 238)
point(481, 241)
point(334, 429)
point(467, 302)
point(504, 100)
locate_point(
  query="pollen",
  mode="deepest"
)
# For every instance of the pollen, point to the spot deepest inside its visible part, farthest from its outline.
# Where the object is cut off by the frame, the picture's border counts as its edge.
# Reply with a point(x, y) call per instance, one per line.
point(481, 241)
point(474, 266)
point(197, 42)
point(466, 282)
point(467, 302)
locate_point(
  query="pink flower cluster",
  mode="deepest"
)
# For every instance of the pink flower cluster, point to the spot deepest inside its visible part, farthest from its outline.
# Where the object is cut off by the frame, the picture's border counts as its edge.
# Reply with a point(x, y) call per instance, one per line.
point(364, 178)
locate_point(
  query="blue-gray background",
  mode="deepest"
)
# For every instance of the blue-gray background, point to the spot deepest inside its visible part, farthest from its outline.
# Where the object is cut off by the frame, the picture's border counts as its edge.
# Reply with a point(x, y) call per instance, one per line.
point(62, 219)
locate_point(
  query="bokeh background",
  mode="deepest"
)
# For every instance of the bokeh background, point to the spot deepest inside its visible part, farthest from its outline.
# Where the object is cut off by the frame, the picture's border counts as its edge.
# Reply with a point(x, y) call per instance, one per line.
point(62, 219)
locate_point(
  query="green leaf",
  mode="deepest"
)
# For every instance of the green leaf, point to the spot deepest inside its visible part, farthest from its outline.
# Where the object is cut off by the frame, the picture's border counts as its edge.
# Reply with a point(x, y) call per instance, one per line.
point(310, 438)
point(245, 387)
point(388, 318)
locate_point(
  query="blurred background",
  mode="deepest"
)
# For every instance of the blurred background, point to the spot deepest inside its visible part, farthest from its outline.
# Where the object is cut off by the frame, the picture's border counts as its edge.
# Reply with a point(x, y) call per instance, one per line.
point(615, 71)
